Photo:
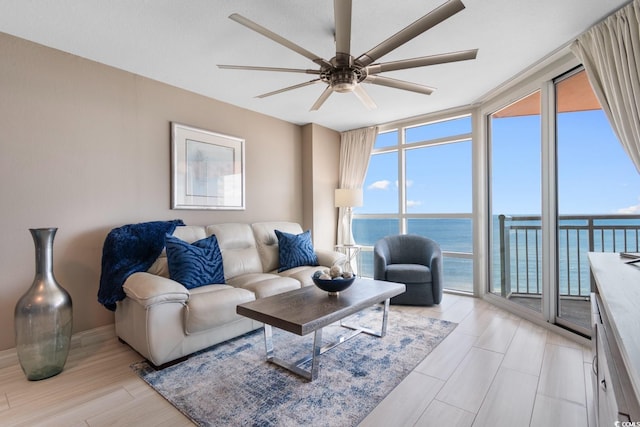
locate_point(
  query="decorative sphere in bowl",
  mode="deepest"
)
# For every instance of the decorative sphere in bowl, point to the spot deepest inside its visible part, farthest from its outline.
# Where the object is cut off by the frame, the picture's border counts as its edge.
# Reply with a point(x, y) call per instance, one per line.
point(333, 286)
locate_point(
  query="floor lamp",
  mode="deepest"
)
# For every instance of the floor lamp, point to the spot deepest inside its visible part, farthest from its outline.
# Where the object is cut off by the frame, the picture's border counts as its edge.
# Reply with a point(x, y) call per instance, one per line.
point(348, 198)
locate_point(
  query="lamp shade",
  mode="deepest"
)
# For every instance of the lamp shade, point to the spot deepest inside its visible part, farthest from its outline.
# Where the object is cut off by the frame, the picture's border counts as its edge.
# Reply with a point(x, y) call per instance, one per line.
point(348, 197)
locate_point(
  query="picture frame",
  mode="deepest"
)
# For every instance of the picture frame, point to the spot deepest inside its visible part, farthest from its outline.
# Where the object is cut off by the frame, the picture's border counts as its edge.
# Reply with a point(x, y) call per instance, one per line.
point(207, 169)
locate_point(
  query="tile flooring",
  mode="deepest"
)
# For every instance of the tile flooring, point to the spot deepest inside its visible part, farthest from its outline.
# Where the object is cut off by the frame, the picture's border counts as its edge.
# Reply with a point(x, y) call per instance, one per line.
point(494, 369)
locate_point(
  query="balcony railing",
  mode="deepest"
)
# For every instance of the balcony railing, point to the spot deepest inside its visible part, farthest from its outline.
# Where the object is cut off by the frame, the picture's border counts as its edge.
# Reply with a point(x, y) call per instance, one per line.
point(520, 250)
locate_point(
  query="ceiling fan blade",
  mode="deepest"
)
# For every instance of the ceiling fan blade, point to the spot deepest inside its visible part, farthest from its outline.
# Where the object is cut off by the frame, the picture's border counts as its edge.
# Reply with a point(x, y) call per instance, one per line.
point(399, 84)
point(323, 97)
point(278, 39)
point(275, 92)
point(429, 20)
point(342, 12)
point(364, 97)
point(442, 58)
point(252, 68)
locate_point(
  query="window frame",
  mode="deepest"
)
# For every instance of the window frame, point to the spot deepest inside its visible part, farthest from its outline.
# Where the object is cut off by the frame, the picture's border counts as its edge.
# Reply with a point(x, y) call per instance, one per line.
point(401, 148)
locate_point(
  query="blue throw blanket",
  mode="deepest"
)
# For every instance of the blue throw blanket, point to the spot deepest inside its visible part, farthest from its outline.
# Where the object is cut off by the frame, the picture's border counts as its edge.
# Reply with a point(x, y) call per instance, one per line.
point(127, 250)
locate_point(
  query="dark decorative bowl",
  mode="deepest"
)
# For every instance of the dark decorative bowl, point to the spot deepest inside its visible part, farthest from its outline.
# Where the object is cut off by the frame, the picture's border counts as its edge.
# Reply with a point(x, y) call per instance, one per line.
point(333, 286)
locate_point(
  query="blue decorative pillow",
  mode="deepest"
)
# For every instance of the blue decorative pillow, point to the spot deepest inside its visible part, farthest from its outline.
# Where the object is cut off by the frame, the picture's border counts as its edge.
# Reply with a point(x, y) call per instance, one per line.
point(195, 264)
point(295, 250)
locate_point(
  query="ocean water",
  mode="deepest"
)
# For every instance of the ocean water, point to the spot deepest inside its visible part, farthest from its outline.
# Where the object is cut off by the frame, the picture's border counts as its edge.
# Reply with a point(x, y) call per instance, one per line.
point(575, 238)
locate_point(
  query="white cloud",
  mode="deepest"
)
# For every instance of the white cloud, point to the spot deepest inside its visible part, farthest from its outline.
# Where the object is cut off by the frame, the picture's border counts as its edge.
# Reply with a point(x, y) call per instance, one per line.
point(629, 210)
point(412, 203)
point(379, 185)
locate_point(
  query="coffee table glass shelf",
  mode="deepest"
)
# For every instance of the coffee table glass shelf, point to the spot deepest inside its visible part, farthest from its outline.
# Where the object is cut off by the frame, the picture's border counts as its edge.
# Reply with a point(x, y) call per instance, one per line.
point(310, 309)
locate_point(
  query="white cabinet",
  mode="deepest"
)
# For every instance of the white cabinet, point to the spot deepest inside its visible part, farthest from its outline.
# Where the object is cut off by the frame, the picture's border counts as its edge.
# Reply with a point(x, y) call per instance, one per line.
point(607, 388)
point(616, 329)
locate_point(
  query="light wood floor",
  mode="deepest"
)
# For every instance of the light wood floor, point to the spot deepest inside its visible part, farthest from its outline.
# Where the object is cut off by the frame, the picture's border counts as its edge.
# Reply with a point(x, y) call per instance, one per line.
point(495, 369)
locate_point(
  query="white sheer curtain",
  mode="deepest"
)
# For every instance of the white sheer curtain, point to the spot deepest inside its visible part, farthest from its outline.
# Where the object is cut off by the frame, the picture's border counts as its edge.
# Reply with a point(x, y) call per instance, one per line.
point(610, 53)
point(355, 151)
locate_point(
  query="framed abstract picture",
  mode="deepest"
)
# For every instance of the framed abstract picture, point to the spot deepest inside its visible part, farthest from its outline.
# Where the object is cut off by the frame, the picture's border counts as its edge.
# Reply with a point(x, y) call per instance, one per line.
point(207, 169)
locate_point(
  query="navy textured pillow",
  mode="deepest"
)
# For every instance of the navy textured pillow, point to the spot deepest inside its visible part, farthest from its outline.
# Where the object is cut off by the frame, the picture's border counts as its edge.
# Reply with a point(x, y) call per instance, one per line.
point(295, 250)
point(195, 264)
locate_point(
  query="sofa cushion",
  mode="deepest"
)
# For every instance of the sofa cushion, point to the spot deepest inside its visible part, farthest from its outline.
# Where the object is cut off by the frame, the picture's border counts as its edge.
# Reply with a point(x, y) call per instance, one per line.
point(264, 284)
point(190, 233)
point(213, 306)
point(295, 250)
point(195, 264)
point(238, 247)
point(301, 274)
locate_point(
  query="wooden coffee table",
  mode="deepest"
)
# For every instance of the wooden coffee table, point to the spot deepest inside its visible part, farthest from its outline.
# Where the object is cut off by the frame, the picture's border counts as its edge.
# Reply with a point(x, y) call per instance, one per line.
point(310, 309)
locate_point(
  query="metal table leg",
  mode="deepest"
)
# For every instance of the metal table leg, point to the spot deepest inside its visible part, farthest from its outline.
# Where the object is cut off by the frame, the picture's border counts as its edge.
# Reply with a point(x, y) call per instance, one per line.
point(295, 366)
point(318, 348)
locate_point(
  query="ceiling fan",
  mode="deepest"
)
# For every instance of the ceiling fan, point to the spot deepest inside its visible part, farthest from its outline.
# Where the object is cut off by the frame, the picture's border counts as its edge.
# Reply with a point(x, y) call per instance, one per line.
point(343, 73)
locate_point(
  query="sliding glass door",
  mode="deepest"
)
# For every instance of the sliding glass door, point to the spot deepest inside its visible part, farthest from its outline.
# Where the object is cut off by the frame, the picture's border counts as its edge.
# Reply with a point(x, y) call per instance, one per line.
point(515, 164)
point(598, 195)
point(561, 186)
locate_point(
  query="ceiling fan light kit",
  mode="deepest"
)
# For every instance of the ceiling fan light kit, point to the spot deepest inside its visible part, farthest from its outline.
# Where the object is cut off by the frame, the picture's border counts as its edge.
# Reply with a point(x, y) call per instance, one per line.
point(342, 80)
point(343, 73)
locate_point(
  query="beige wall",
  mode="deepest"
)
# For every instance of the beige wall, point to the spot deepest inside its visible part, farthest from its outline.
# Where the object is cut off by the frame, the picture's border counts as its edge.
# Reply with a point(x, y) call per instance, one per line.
point(85, 148)
point(320, 166)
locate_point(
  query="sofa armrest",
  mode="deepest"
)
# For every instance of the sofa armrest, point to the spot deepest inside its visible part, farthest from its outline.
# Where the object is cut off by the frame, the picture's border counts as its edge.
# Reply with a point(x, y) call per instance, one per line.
point(148, 289)
point(328, 258)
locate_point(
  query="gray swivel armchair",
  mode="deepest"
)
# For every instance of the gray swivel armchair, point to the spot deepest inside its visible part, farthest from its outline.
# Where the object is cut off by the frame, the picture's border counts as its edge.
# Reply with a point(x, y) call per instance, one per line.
point(413, 260)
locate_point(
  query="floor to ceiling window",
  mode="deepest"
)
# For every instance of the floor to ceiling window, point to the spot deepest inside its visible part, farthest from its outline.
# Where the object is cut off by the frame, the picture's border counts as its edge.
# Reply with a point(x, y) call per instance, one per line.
point(419, 181)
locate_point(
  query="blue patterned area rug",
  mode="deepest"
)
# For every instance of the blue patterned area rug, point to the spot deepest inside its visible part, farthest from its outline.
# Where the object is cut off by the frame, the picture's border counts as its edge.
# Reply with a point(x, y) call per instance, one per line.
point(231, 383)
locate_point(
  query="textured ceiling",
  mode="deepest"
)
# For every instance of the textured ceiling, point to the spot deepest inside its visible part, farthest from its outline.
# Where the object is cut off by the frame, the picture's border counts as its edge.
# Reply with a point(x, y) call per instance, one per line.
point(180, 43)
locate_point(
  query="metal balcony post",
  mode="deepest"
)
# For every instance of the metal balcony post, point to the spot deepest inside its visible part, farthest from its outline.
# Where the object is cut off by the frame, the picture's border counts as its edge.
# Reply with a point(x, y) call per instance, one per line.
point(505, 260)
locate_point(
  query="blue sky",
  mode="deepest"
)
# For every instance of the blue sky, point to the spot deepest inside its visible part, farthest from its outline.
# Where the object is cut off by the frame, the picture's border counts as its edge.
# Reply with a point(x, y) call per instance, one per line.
point(595, 176)
point(594, 171)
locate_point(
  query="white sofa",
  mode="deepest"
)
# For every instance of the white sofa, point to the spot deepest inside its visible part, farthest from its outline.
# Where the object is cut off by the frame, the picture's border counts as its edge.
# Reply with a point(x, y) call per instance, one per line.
point(164, 321)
